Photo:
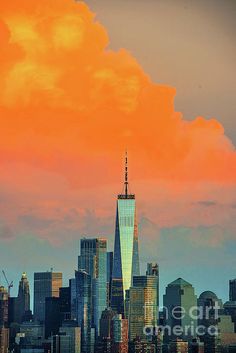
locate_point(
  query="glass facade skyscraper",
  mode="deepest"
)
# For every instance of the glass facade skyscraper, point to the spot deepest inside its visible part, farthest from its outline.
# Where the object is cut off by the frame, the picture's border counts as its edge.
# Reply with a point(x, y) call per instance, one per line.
point(93, 259)
point(84, 304)
point(126, 250)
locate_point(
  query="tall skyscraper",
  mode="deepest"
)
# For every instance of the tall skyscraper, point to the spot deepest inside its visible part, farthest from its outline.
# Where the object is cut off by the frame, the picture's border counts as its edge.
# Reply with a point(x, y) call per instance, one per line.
point(23, 300)
point(103, 344)
point(84, 311)
point(126, 249)
point(143, 303)
point(232, 290)
point(3, 307)
point(73, 298)
point(93, 259)
point(179, 300)
point(46, 284)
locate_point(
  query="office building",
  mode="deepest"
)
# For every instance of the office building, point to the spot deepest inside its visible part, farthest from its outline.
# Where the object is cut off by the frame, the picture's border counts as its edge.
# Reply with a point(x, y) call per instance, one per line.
point(3, 307)
point(143, 303)
point(46, 284)
point(84, 308)
point(70, 338)
point(4, 339)
point(23, 299)
point(232, 290)
point(73, 298)
point(126, 249)
point(179, 301)
point(119, 334)
point(52, 316)
point(65, 303)
point(103, 344)
point(93, 259)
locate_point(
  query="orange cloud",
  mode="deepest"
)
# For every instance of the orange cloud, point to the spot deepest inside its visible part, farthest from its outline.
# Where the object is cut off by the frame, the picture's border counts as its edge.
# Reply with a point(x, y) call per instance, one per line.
point(70, 105)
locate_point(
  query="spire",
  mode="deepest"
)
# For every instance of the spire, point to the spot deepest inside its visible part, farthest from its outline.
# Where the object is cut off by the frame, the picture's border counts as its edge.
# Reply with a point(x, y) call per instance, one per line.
point(126, 174)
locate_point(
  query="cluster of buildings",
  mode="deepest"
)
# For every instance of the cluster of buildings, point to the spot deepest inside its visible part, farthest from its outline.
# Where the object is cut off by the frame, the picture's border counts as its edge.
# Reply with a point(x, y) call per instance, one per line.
point(109, 307)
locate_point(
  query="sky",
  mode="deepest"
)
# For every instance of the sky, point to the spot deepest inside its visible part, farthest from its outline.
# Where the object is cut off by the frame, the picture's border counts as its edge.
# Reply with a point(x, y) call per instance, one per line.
point(188, 44)
point(73, 98)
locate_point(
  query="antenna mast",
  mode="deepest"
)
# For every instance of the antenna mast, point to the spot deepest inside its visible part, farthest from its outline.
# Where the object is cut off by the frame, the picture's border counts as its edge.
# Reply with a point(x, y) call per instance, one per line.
point(126, 174)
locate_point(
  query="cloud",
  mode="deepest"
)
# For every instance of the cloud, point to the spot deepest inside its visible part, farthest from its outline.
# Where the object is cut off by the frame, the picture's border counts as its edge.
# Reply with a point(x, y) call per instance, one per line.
point(207, 203)
point(68, 102)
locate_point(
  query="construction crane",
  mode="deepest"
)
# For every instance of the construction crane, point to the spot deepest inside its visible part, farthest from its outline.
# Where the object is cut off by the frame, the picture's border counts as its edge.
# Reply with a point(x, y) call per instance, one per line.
point(9, 284)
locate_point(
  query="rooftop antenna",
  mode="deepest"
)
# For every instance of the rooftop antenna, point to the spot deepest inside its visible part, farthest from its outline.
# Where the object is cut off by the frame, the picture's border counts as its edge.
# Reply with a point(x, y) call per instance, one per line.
point(126, 174)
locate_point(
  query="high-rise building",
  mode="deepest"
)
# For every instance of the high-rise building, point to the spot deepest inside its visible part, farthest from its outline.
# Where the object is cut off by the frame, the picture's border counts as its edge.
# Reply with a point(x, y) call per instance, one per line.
point(126, 249)
point(4, 340)
point(105, 323)
point(57, 311)
point(3, 307)
point(46, 284)
point(23, 299)
point(4, 331)
point(93, 259)
point(119, 334)
point(179, 301)
point(84, 304)
point(143, 303)
point(103, 344)
point(73, 299)
point(70, 338)
point(65, 303)
point(52, 316)
point(232, 290)
point(214, 318)
point(230, 309)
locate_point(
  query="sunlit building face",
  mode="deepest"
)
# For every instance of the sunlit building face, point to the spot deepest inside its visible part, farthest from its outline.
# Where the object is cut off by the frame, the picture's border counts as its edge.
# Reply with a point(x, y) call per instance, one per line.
point(126, 255)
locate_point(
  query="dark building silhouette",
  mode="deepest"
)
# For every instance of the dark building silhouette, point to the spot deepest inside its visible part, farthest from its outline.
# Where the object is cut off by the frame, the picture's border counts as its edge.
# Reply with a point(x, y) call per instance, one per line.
point(65, 303)
point(196, 346)
point(84, 308)
point(103, 343)
point(232, 290)
point(230, 309)
point(52, 316)
point(23, 299)
point(4, 331)
point(46, 284)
